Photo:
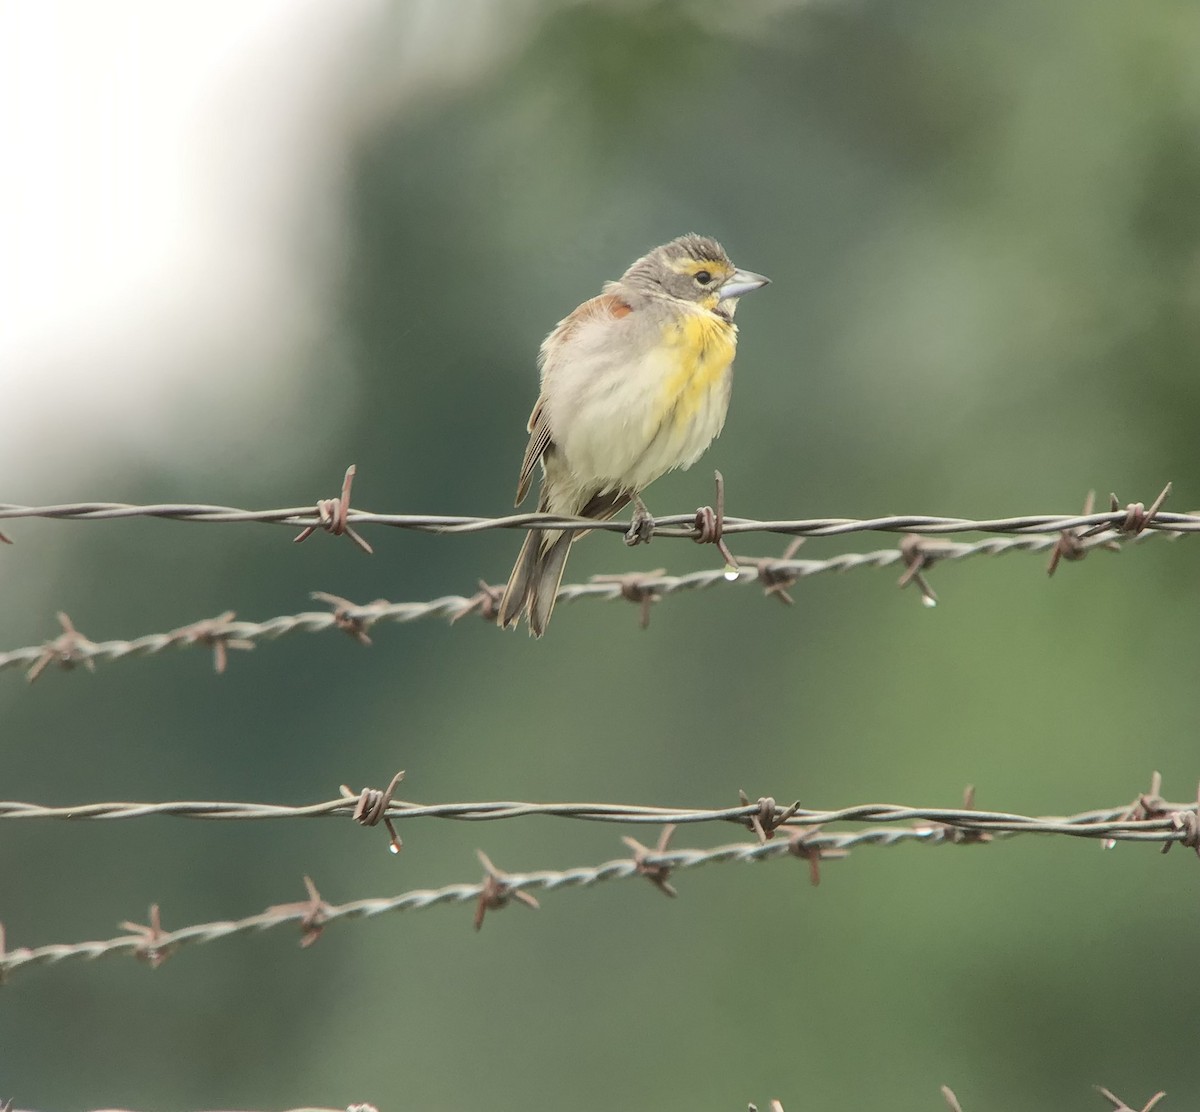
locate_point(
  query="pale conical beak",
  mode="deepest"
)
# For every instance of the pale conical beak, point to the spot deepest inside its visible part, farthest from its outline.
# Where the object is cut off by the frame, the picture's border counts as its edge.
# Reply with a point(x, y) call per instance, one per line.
point(742, 282)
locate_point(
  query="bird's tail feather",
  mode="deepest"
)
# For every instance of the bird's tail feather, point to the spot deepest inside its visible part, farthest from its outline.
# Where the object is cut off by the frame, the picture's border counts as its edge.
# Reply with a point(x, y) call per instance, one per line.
point(535, 579)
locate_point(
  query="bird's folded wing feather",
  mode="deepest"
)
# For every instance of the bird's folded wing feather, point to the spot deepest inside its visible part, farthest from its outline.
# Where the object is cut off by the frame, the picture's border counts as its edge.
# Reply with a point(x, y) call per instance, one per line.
point(539, 441)
point(609, 305)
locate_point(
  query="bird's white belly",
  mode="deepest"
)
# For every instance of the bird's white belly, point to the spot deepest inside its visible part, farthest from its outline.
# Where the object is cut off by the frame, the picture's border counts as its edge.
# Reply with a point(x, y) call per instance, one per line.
point(625, 429)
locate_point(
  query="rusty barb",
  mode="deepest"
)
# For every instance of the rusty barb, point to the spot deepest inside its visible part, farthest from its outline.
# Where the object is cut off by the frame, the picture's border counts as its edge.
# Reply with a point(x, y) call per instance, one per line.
point(218, 634)
point(768, 817)
point(312, 914)
point(1118, 1105)
point(150, 948)
point(350, 623)
point(776, 574)
point(485, 602)
point(1151, 807)
point(802, 842)
point(956, 833)
point(498, 891)
point(333, 515)
point(639, 587)
point(644, 861)
point(1137, 518)
point(709, 528)
point(1070, 544)
point(372, 808)
point(919, 555)
point(65, 650)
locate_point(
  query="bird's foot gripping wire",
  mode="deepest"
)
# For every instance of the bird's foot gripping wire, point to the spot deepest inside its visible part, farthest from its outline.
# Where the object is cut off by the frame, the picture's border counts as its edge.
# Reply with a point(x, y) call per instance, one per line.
point(641, 527)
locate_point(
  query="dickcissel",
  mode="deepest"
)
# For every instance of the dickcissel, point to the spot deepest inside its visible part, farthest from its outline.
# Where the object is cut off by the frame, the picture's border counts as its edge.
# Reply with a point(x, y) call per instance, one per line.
point(635, 383)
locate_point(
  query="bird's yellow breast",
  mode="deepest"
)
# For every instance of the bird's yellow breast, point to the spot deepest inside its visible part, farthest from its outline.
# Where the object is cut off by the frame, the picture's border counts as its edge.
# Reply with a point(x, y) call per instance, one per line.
point(702, 348)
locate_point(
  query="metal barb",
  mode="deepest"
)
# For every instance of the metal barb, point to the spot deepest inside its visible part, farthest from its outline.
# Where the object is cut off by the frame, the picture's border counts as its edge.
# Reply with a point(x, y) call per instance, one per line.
point(344, 617)
point(485, 602)
point(776, 575)
point(767, 818)
point(333, 516)
point(217, 633)
point(372, 807)
point(654, 871)
point(709, 527)
point(312, 914)
point(1118, 1105)
point(638, 587)
point(497, 891)
point(920, 554)
point(66, 650)
point(802, 843)
point(1071, 542)
point(150, 948)
point(959, 834)
point(1137, 518)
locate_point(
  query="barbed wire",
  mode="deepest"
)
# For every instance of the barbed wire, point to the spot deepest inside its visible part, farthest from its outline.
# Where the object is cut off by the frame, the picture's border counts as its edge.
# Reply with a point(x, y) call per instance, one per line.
point(152, 943)
point(335, 515)
point(10, 1107)
point(1149, 818)
point(775, 575)
point(1116, 1103)
point(951, 1099)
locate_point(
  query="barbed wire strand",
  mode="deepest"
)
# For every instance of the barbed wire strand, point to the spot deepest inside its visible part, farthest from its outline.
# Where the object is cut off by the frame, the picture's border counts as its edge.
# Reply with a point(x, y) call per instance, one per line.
point(1115, 1102)
point(10, 1107)
point(153, 944)
point(1149, 818)
point(675, 525)
point(773, 574)
point(948, 1095)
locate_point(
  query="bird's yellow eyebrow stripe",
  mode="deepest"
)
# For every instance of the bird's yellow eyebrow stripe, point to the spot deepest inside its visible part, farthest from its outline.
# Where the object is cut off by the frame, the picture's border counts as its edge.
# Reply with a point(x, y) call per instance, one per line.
point(694, 266)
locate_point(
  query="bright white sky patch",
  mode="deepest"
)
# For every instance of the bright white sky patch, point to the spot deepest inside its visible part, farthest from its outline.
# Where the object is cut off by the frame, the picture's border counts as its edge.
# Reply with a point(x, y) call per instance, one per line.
point(159, 164)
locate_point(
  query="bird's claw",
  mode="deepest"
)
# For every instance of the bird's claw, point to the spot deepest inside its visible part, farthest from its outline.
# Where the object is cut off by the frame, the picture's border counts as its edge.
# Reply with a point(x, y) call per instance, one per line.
point(641, 526)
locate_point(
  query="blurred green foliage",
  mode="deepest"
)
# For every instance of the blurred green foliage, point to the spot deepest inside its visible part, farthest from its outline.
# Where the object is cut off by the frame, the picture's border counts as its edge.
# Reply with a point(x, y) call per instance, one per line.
point(981, 223)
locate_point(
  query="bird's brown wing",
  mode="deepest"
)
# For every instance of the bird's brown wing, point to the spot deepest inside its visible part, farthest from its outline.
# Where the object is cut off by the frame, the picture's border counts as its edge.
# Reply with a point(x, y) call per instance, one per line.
point(539, 441)
point(605, 305)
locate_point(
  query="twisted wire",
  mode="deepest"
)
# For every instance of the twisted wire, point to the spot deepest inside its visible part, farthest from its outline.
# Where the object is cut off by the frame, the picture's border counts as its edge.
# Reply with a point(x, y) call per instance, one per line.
point(225, 630)
point(675, 525)
point(1148, 818)
point(302, 914)
point(1116, 823)
point(314, 915)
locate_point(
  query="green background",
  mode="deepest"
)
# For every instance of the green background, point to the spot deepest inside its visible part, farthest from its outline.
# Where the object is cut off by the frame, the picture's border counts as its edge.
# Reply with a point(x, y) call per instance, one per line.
point(982, 227)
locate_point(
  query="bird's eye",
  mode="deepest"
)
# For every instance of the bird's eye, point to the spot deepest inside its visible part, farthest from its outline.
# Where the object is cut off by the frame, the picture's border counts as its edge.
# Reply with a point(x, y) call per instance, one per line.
point(703, 277)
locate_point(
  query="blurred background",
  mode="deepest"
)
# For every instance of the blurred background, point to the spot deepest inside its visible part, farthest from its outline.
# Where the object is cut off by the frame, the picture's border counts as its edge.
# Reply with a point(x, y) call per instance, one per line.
point(246, 244)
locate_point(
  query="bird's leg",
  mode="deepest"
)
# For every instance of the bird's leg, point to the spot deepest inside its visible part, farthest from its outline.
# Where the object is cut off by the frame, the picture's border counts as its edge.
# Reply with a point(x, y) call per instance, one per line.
point(641, 527)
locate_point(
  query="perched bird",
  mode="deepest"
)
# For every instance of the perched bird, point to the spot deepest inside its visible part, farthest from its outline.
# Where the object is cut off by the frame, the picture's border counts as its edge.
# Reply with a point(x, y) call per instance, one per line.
point(635, 383)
